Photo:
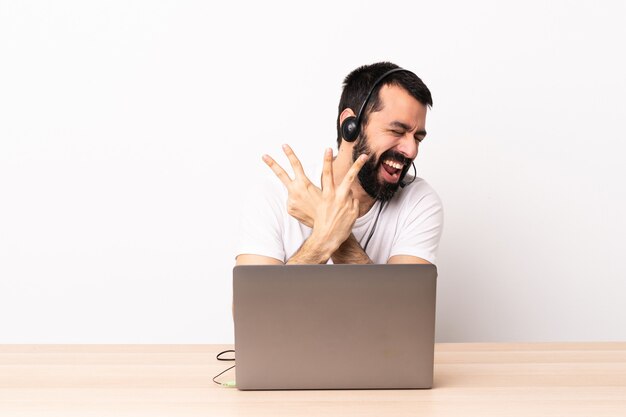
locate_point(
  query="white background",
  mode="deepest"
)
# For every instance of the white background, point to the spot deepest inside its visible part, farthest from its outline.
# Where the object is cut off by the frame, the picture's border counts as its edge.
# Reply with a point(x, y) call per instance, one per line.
point(130, 130)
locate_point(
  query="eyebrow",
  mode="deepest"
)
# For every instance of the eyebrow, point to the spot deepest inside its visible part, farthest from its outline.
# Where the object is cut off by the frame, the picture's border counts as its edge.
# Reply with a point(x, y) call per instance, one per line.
point(404, 126)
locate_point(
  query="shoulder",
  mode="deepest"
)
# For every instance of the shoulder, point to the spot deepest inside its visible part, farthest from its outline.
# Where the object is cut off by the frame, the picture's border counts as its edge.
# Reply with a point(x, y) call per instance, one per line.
point(417, 200)
point(417, 192)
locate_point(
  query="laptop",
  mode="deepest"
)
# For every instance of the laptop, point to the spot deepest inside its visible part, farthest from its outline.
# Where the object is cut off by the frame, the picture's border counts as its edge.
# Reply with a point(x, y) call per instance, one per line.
point(334, 326)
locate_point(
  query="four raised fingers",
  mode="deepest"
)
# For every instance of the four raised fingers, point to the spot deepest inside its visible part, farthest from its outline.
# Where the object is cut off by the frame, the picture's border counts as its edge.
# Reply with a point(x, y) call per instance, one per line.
point(327, 172)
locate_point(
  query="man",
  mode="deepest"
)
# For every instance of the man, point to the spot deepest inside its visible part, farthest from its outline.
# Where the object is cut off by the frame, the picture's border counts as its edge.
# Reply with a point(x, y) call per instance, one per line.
point(362, 211)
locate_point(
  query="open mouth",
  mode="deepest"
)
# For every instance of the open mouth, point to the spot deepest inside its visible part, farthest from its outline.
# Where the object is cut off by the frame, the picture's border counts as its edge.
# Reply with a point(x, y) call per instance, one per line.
point(391, 170)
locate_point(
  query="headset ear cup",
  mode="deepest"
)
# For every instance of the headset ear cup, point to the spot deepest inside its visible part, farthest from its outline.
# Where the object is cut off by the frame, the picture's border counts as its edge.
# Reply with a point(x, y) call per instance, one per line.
point(350, 129)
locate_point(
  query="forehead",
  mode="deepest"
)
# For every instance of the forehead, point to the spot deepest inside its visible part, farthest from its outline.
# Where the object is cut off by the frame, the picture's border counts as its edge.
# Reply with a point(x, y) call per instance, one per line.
point(399, 105)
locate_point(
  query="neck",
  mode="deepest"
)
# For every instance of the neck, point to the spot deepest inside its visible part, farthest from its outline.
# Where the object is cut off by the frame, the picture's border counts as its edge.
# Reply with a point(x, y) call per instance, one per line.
point(341, 165)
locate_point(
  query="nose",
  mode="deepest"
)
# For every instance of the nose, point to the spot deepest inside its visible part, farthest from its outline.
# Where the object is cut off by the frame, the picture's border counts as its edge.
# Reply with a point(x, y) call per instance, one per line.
point(408, 146)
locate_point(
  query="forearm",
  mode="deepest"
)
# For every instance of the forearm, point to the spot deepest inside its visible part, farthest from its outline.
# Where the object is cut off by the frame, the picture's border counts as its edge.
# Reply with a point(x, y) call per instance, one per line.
point(313, 251)
point(351, 252)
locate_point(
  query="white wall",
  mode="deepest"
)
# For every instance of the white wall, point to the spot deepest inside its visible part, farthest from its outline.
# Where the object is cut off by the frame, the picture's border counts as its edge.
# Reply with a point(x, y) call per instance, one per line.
point(129, 132)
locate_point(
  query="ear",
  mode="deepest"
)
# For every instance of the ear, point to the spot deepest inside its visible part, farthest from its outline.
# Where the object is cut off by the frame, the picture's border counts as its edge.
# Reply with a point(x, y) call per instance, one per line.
point(345, 145)
point(347, 112)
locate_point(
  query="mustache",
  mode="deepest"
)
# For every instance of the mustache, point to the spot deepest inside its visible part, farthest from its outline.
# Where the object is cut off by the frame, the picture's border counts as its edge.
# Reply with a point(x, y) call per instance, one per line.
point(396, 156)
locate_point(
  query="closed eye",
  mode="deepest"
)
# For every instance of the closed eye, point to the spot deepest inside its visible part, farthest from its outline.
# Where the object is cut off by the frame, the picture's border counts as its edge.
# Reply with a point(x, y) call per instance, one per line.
point(399, 133)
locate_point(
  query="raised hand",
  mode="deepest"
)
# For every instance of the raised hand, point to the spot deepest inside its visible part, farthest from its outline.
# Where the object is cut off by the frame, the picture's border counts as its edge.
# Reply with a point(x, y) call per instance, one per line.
point(338, 209)
point(303, 195)
point(330, 211)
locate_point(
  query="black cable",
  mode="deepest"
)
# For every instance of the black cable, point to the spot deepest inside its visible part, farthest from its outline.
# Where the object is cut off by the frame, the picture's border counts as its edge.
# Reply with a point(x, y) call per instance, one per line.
point(225, 359)
point(219, 358)
point(382, 204)
point(404, 184)
point(223, 384)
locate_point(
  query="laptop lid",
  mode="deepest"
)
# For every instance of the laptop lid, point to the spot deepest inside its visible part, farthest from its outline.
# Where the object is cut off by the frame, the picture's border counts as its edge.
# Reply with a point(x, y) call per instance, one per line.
point(334, 326)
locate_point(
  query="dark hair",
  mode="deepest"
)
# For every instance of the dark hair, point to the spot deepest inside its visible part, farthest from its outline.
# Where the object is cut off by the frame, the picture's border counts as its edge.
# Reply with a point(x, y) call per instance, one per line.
point(359, 82)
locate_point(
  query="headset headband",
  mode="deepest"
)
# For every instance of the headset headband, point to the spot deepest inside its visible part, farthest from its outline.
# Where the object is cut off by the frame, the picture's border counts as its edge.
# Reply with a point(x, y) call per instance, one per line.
point(378, 81)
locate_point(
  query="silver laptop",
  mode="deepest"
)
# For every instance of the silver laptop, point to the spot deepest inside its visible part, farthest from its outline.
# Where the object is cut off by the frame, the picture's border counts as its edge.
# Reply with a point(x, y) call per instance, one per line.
point(334, 326)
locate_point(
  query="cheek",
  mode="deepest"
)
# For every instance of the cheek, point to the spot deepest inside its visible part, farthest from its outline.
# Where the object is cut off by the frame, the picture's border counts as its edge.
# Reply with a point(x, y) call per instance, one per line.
point(383, 146)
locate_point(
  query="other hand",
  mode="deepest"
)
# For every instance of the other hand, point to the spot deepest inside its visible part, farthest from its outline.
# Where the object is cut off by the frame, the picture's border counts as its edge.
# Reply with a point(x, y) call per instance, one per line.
point(303, 195)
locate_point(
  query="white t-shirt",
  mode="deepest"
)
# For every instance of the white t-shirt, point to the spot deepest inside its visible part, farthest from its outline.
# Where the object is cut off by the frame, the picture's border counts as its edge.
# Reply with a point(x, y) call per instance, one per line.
point(409, 224)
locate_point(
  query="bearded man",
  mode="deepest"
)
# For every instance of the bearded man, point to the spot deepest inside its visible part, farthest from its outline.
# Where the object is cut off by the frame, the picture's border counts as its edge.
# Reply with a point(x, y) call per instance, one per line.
point(366, 208)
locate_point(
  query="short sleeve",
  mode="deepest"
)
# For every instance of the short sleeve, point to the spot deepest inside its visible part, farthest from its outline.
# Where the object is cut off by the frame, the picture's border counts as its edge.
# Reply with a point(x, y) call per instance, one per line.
point(261, 223)
point(421, 228)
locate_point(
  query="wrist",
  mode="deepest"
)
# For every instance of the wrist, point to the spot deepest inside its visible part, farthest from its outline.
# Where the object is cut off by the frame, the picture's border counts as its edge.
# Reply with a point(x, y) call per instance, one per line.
point(323, 244)
point(313, 251)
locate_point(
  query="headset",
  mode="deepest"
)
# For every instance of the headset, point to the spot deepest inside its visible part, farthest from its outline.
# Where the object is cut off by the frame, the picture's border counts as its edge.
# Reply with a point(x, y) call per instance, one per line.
point(351, 126)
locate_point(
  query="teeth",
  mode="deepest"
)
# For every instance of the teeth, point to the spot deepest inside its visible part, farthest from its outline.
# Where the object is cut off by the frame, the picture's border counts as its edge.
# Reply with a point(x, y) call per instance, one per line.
point(393, 164)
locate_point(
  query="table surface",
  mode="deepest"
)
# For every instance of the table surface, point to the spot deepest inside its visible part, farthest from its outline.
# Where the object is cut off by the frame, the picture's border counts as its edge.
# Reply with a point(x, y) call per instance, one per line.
point(471, 379)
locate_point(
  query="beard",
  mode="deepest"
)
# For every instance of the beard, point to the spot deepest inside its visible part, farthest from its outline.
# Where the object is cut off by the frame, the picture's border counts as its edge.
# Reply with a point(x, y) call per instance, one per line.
point(368, 175)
